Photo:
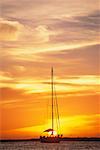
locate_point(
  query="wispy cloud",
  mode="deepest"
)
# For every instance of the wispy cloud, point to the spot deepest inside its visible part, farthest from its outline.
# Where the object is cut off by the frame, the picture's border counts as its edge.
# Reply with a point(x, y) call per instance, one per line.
point(82, 123)
point(86, 59)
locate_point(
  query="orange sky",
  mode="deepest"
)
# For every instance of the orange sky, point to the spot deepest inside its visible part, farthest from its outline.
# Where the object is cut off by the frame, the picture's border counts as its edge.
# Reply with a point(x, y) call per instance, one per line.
point(34, 36)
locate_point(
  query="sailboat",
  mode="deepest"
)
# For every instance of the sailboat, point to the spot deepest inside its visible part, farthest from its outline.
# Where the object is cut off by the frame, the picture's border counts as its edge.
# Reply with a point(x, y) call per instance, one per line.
point(52, 136)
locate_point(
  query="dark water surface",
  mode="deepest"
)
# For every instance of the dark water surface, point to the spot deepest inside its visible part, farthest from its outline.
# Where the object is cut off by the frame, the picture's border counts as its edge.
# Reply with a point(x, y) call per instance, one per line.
point(66, 145)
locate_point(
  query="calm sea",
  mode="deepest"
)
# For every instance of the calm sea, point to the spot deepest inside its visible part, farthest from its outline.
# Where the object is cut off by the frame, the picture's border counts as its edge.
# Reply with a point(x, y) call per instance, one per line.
point(66, 145)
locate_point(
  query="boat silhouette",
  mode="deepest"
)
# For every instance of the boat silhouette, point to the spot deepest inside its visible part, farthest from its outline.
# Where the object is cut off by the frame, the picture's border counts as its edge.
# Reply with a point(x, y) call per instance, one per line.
point(52, 136)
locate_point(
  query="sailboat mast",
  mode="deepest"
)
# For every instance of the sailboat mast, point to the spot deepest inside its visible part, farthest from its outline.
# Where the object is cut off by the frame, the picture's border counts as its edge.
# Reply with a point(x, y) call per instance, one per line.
point(52, 99)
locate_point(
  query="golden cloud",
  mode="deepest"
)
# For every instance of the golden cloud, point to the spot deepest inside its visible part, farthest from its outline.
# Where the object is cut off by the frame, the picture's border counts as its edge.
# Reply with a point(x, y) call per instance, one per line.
point(9, 30)
point(38, 35)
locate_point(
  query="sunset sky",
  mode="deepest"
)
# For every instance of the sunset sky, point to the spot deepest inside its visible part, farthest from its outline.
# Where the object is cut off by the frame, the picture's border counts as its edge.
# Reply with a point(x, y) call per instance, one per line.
point(34, 36)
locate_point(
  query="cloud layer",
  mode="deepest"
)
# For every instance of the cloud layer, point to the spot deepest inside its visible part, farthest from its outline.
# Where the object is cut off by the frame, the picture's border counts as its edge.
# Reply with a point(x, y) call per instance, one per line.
point(34, 36)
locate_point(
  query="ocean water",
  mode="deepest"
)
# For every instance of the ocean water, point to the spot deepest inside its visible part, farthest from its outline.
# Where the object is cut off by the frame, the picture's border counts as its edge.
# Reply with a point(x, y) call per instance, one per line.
point(66, 145)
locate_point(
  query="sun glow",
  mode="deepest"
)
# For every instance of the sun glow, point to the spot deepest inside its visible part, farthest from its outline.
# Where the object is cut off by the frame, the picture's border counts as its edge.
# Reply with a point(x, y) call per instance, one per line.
point(50, 133)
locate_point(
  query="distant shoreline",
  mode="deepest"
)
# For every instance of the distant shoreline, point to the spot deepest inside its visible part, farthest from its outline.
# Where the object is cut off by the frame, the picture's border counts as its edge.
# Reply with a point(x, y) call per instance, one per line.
point(63, 139)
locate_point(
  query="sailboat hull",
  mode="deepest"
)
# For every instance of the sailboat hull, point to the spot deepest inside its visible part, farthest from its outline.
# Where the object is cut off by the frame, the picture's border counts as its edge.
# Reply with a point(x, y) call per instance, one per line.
point(50, 139)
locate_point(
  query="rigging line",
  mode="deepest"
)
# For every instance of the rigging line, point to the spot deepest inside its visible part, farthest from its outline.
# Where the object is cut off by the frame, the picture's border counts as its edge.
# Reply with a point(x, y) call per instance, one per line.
point(57, 124)
point(47, 111)
point(57, 108)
